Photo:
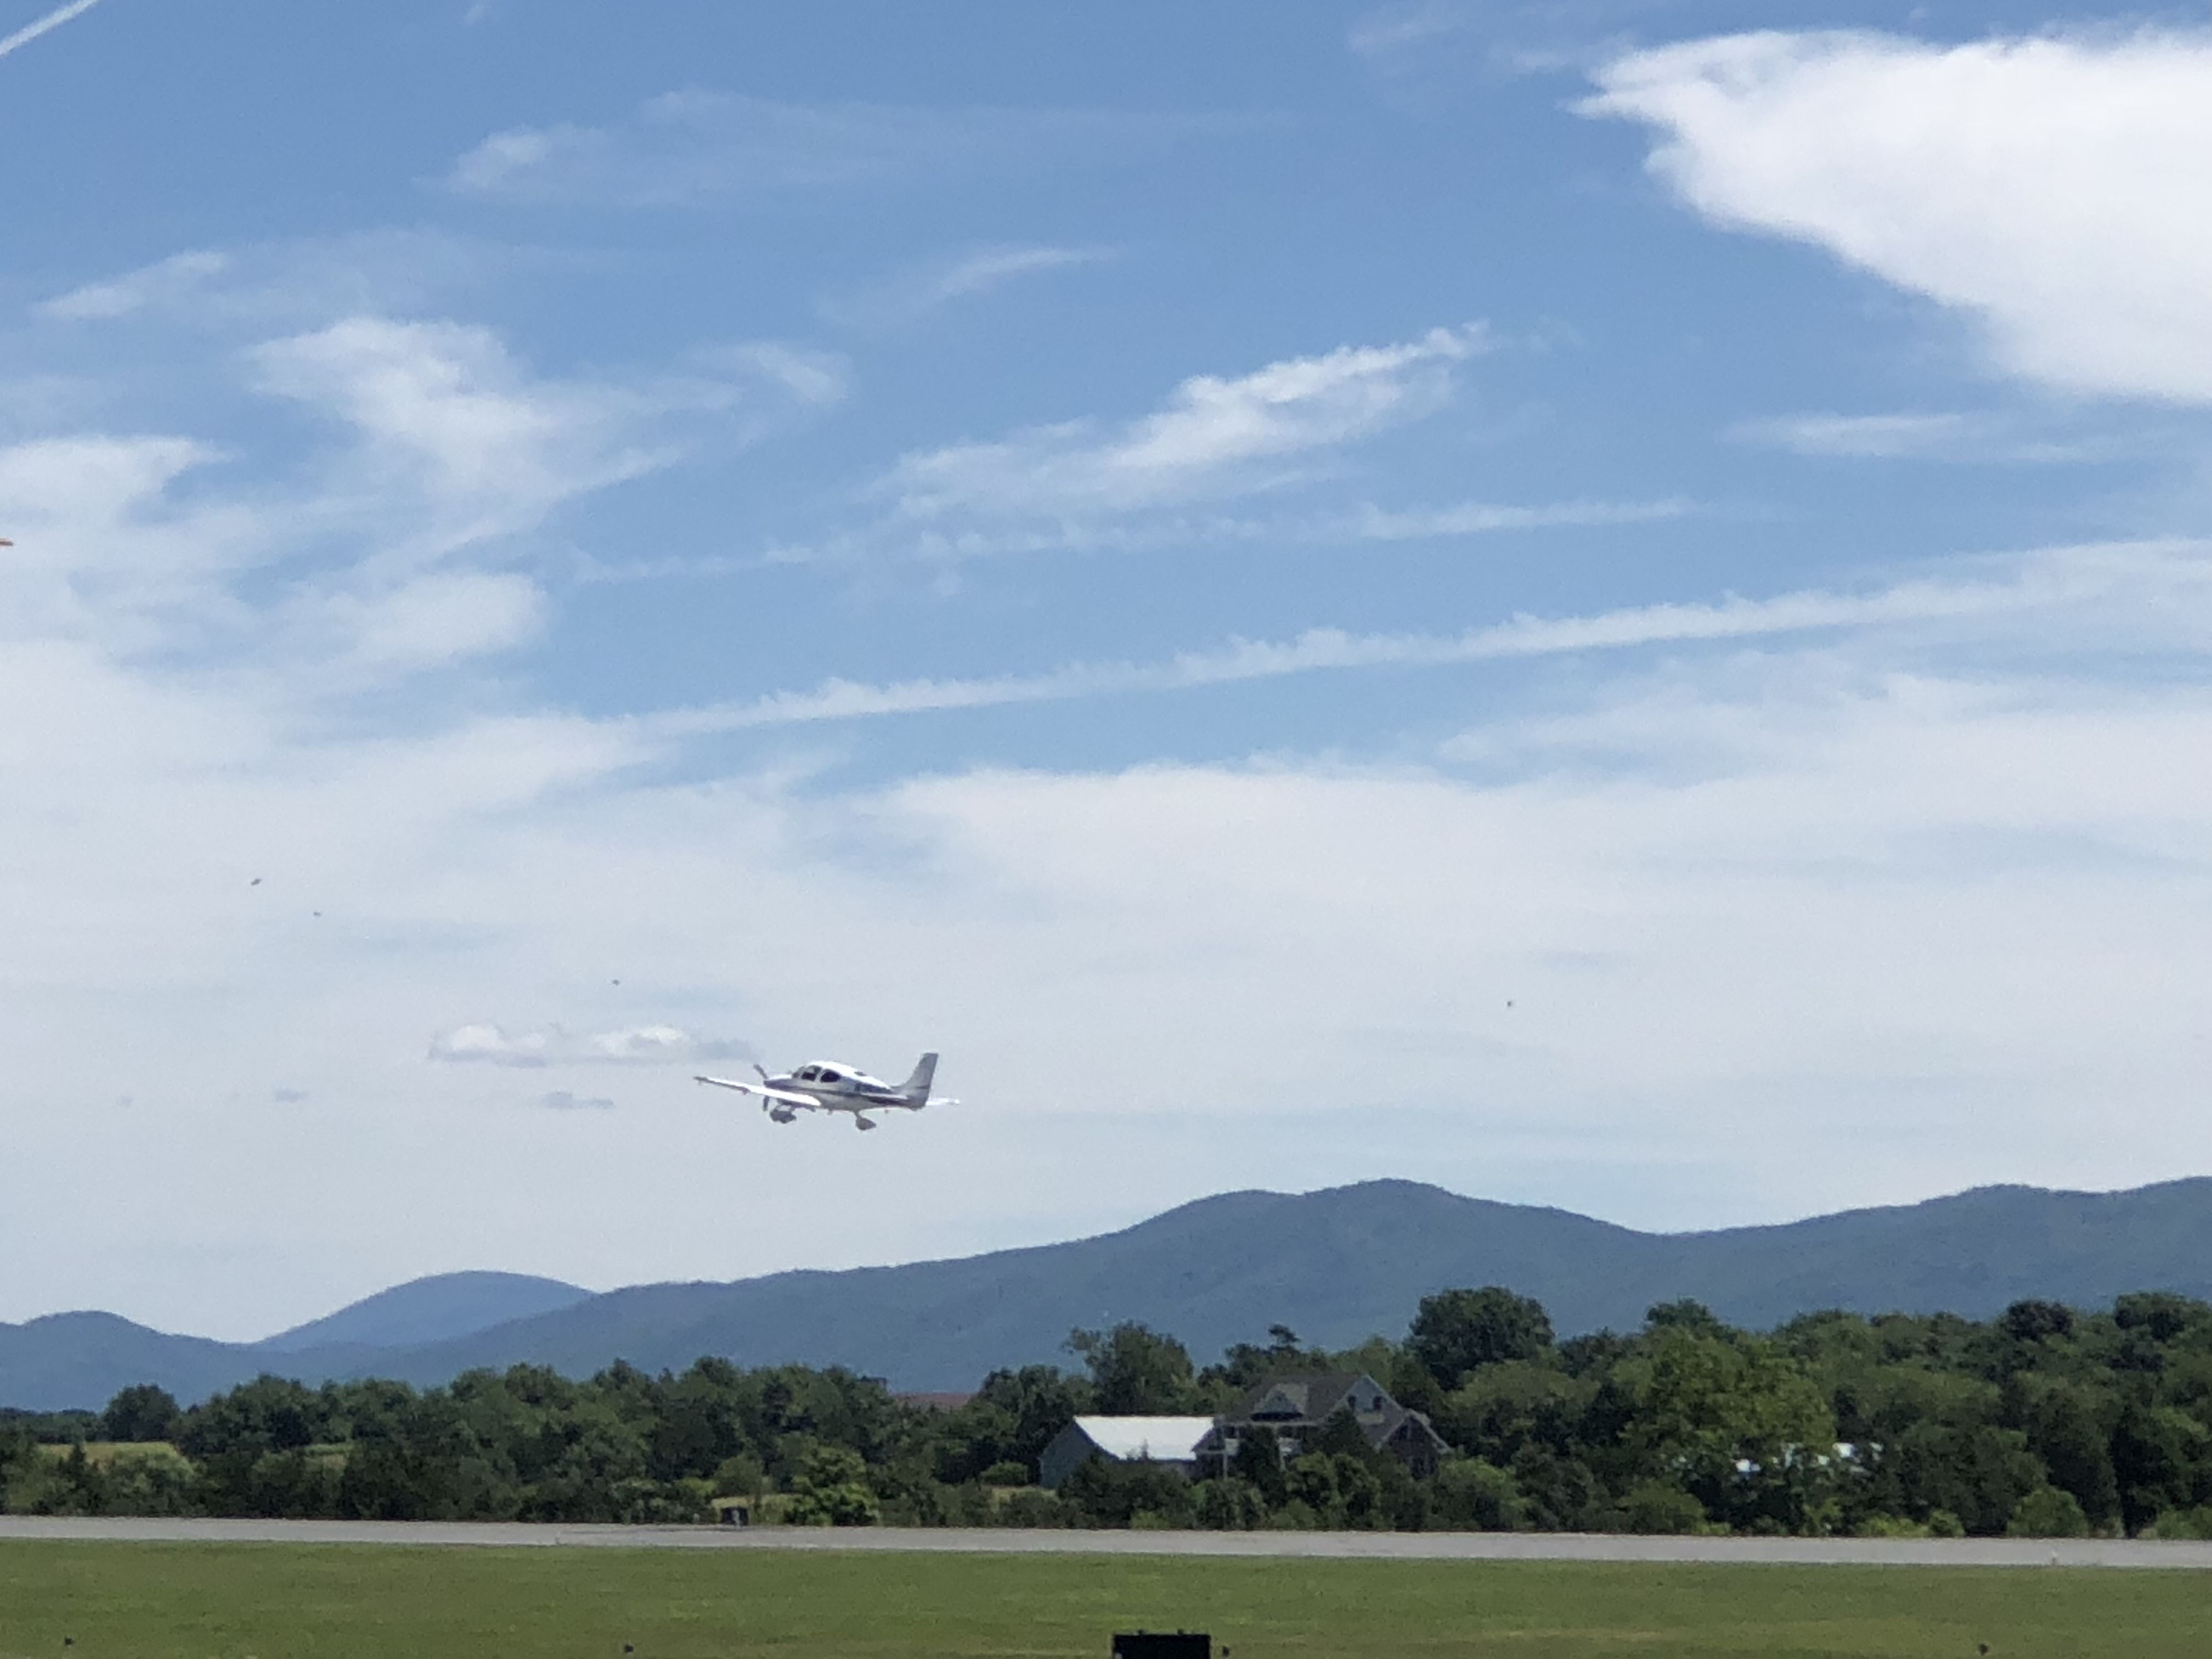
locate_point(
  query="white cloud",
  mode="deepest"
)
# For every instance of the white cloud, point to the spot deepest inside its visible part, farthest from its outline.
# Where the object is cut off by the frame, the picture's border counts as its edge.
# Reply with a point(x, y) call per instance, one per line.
point(437, 447)
point(53, 20)
point(560, 1100)
point(1944, 435)
point(916, 292)
point(164, 282)
point(444, 406)
point(259, 290)
point(633, 1045)
point(2053, 187)
point(1377, 524)
point(1399, 29)
point(687, 149)
point(1214, 436)
point(2067, 586)
point(1864, 436)
point(816, 378)
point(438, 618)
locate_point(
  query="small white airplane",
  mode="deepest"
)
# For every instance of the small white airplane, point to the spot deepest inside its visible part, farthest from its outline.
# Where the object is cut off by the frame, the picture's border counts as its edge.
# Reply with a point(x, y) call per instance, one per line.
point(831, 1085)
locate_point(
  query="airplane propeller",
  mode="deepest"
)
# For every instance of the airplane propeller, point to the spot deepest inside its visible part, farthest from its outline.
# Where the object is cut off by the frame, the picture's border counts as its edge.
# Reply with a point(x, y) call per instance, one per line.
point(761, 1069)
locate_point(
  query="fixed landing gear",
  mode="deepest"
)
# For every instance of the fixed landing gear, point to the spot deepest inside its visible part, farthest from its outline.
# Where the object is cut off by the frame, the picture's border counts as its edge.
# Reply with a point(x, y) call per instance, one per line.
point(780, 1116)
point(864, 1123)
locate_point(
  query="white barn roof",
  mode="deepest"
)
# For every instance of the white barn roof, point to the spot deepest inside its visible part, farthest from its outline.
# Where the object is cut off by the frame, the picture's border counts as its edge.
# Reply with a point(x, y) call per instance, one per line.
point(1156, 1439)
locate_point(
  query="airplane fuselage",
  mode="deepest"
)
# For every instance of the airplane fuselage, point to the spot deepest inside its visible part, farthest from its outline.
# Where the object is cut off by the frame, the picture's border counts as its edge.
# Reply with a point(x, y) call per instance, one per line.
point(827, 1085)
point(839, 1088)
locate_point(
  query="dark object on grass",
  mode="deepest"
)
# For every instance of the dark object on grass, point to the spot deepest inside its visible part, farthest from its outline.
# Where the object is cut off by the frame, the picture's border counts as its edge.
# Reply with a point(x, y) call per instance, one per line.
point(1161, 1644)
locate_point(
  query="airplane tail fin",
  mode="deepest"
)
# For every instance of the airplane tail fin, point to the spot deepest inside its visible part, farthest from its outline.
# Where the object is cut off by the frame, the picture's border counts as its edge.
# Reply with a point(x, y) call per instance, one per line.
point(916, 1088)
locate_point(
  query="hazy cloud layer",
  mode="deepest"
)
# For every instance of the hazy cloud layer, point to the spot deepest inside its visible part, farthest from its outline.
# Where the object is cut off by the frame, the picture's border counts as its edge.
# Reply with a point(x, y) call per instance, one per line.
point(636, 1045)
point(560, 1100)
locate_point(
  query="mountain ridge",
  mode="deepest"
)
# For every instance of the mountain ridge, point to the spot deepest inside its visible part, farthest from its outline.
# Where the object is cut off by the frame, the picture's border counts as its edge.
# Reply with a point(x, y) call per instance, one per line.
point(1338, 1264)
point(432, 1309)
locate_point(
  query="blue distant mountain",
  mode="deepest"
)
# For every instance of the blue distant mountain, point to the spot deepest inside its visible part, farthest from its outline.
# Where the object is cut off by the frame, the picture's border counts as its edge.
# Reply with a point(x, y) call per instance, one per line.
point(1336, 1266)
point(435, 1310)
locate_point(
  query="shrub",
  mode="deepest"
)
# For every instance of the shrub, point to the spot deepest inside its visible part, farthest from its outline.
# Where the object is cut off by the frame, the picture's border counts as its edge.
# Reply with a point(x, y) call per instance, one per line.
point(1656, 1507)
point(2182, 1524)
point(2048, 1512)
point(1229, 1504)
point(1030, 1507)
point(1890, 1526)
point(1468, 1495)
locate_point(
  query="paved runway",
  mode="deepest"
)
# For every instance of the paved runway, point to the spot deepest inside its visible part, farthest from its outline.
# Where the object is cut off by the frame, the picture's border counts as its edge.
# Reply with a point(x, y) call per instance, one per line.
point(1333, 1545)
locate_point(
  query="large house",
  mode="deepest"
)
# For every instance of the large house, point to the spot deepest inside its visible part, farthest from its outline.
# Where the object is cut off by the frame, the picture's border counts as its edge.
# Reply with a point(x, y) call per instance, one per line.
point(1294, 1409)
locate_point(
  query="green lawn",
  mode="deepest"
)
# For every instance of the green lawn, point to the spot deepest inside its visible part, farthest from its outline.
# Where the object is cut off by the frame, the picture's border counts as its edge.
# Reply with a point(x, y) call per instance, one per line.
point(280, 1601)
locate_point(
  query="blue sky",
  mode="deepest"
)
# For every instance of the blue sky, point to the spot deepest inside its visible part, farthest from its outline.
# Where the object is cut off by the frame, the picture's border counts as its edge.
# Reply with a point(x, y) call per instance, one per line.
point(1569, 599)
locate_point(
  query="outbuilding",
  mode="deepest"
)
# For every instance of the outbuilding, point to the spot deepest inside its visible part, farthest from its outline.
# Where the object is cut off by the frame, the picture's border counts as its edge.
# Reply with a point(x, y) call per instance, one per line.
point(1171, 1441)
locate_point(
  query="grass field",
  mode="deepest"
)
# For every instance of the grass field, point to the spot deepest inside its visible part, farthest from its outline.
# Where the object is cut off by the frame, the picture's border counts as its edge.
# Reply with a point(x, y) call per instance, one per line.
point(281, 1602)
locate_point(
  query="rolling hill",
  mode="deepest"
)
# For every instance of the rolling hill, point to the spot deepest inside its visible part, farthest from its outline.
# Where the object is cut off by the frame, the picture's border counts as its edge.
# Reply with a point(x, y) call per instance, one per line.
point(1337, 1266)
point(434, 1310)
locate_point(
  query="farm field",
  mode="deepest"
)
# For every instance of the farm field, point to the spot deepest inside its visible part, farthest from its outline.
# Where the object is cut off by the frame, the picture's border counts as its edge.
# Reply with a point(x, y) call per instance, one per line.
point(112, 1601)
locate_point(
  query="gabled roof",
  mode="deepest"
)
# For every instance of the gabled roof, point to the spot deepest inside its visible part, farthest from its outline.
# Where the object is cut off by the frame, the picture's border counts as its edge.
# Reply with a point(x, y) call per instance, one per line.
point(1310, 1397)
point(1155, 1439)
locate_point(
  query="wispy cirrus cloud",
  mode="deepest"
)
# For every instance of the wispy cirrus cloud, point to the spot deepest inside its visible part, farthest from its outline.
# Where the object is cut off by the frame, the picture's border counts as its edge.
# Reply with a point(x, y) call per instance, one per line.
point(165, 281)
point(2068, 583)
point(913, 293)
point(2053, 187)
point(1940, 436)
point(1376, 523)
point(699, 148)
point(1215, 436)
point(426, 450)
point(53, 20)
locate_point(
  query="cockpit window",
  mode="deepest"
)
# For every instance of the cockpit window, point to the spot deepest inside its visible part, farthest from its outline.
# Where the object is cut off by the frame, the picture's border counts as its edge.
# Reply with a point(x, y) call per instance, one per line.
point(806, 1074)
point(828, 1076)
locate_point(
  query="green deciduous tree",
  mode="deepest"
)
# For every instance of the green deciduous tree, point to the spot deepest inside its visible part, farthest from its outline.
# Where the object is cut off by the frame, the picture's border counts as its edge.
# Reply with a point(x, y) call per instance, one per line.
point(1134, 1370)
point(143, 1412)
point(1456, 1331)
point(831, 1489)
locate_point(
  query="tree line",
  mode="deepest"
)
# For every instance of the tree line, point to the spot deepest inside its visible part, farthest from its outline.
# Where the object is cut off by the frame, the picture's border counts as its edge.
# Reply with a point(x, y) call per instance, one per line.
point(2042, 1422)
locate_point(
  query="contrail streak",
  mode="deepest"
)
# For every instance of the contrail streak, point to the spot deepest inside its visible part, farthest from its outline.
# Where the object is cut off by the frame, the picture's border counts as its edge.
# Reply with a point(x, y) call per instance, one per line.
point(53, 20)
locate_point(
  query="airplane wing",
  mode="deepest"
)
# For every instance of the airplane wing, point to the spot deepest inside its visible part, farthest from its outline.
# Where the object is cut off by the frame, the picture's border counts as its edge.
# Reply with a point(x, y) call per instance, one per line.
point(789, 1097)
